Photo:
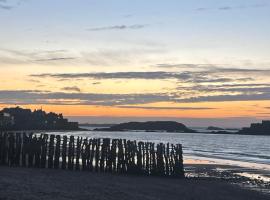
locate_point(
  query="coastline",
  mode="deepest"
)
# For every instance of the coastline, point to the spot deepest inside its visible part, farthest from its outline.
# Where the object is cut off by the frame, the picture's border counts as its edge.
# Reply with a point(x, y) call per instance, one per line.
point(245, 175)
point(26, 183)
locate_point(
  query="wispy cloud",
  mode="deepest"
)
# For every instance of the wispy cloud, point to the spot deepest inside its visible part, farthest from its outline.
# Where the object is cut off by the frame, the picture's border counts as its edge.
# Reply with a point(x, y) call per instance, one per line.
point(119, 27)
point(194, 77)
point(55, 59)
point(228, 7)
point(5, 7)
point(167, 108)
point(96, 83)
point(10, 56)
point(8, 5)
point(62, 98)
point(72, 89)
point(232, 97)
point(121, 100)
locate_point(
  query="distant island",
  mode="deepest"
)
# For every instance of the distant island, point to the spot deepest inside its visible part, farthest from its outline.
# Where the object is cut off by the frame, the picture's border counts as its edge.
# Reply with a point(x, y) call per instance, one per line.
point(212, 128)
point(254, 129)
point(166, 126)
point(95, 125)
point(24, 119)
point(172, 126)
point(257, 129)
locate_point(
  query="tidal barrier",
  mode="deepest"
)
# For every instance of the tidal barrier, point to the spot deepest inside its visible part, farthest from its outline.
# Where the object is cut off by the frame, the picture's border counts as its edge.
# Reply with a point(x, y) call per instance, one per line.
point(104, 155)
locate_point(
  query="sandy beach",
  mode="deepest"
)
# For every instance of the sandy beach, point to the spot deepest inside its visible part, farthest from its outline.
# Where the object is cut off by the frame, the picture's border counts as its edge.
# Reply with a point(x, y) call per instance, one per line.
point(23, 183)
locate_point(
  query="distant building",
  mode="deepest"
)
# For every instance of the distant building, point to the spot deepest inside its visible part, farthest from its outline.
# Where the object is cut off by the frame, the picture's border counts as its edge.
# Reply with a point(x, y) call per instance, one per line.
point(24, 119)
point(6, 120)
point(257, 128)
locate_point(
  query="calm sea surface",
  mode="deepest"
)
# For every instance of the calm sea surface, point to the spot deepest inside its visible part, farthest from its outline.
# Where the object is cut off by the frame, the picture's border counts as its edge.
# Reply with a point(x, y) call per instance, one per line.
point(242, 150)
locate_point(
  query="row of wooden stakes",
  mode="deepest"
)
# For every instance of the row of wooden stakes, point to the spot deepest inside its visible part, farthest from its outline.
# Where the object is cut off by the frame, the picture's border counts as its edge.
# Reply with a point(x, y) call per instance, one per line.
point(97, 155)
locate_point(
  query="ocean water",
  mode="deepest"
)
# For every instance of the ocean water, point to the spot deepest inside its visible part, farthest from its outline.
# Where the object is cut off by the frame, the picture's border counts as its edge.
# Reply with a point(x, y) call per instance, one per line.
point(240, 150)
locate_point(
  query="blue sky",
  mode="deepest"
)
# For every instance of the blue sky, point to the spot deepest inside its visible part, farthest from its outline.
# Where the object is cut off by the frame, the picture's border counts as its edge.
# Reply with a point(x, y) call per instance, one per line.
point(143, 58)
point(210, 31)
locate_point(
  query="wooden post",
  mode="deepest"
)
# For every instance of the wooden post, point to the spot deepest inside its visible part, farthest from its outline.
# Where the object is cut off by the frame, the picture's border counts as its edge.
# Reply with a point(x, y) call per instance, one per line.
point(51, 152)
point(84, 154)
point(24, 149)
point(71, 153)
point(11, 149)
point(44, 145)
point(37, 150)
point(97, 156)
point(57, 152)
point(91, 154)
point(64, 152)
point(30, 150)
point(18, 149)
point(2, 147)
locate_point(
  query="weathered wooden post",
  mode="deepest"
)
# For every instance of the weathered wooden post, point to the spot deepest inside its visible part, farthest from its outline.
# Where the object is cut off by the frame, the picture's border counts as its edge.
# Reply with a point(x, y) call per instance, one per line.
point(11, 149)
point(97, 156)
point(44, 145)
point(37, 150)
point(78, 153)
point(179, 171)
point(51, 151)
point(30, 150)
point(57, 152)
point(18, 149)
point(91, 154)
point(84, 154)
point(1, 147)
point(64, 152)
point(71, 153)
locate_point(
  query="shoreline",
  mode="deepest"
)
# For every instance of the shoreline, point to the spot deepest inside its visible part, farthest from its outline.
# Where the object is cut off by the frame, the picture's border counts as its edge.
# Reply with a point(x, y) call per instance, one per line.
point(34, 183)
point(248, 175)
point(90, 130)
point(244, 177)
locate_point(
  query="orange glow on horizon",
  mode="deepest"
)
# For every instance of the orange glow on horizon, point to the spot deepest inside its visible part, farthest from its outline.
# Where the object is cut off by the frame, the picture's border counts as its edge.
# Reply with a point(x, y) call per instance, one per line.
point(222, 110)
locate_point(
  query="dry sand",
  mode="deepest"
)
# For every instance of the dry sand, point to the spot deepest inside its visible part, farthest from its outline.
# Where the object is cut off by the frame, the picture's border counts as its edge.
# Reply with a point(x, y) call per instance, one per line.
point(20, 183)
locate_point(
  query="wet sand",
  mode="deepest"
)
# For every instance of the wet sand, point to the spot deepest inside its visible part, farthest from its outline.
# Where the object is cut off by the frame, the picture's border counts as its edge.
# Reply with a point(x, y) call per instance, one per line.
point(252, 179)
point(21, 183)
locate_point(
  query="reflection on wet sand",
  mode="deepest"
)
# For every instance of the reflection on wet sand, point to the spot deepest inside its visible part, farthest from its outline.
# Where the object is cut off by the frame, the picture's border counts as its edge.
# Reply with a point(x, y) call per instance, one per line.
point(248, 175)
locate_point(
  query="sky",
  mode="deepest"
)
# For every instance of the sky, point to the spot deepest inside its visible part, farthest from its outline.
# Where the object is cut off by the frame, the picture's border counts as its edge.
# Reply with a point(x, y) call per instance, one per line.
point(103, 61)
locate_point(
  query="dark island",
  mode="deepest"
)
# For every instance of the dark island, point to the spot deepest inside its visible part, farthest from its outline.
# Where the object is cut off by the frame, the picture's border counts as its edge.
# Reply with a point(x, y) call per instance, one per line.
point(166, 126)
point(24, 119)
point(257, 129)
point(214, 128)
point(254, 129)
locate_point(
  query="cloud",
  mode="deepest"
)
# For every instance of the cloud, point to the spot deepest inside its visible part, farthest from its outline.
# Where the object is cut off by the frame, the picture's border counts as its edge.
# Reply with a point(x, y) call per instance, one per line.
point(264, 113)
point(126, 100)
point(223, 98)
point(118, 75)
point(33, 81)
point(10, 56)
point(5, 7)
point(223, 90)
point(62, 98)
point(74, 89)
point(193, 77)
point(228, 7)
point(119, 27)
point(55, 59)
point(96, 83)
point(167, 108)
point(225, 8)
point(210, 68)
point(8, 5)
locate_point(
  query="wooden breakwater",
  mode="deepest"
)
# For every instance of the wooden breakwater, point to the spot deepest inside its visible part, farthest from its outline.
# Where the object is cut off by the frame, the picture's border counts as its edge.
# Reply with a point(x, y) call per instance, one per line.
point(95, 155)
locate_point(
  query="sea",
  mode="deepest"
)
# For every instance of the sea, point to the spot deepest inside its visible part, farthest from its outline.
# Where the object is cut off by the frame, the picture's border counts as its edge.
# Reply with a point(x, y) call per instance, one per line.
point(247, 151)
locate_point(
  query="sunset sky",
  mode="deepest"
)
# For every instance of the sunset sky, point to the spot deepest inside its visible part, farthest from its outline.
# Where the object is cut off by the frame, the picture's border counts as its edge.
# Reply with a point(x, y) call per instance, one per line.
point(103, 61)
